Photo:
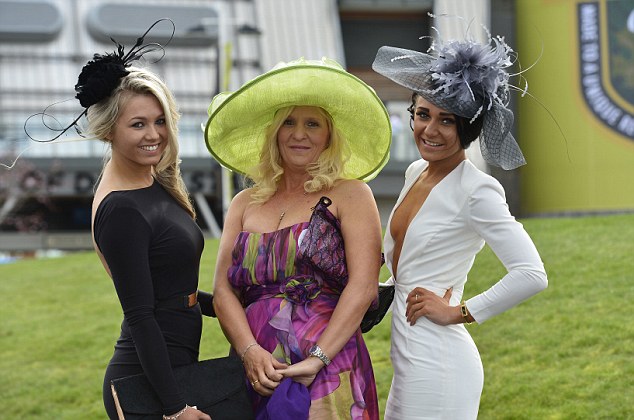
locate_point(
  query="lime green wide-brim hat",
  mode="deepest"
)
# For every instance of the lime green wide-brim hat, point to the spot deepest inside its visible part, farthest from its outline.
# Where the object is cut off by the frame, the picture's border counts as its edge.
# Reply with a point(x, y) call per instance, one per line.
point(238, 120)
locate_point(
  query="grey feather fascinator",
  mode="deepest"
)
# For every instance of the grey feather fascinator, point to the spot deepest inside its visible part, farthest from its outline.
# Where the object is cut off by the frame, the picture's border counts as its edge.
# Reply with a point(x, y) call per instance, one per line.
point(466, 78)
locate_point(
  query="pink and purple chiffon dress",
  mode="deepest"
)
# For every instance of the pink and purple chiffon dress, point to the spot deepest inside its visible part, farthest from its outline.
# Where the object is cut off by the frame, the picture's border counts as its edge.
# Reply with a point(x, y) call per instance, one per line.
point(290, 281)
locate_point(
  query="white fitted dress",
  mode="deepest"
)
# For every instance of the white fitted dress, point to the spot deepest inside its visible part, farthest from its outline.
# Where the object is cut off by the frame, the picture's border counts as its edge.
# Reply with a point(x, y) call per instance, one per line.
point(437, 369)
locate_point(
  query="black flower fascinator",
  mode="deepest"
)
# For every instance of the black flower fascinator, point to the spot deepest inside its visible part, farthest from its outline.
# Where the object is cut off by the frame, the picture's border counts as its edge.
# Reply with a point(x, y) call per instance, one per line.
point(466, 78)
point(102, 75)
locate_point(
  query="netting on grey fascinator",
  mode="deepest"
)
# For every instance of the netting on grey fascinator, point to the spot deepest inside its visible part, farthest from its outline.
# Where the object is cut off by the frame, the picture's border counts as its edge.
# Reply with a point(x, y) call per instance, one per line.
point(466, 78)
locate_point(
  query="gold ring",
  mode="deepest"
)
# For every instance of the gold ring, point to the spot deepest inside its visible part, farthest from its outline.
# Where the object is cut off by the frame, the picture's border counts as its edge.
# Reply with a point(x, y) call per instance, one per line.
point(254, 382)
point(416, 295)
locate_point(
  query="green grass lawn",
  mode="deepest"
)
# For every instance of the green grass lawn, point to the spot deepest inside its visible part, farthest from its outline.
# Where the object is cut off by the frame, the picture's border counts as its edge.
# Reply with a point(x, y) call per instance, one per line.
point(565, 354)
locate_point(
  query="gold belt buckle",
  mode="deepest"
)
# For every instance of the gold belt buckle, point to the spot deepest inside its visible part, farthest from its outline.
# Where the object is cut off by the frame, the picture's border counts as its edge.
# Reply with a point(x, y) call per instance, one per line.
point(191, 299)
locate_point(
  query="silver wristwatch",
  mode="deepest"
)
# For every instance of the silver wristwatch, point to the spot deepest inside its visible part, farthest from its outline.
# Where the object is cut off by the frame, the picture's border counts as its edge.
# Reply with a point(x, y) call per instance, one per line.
point(317, 352)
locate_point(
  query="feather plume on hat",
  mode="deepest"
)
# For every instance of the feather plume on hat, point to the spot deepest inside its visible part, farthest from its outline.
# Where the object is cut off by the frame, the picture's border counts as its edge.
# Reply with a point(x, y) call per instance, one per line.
point(101, 76)
point(466, 78)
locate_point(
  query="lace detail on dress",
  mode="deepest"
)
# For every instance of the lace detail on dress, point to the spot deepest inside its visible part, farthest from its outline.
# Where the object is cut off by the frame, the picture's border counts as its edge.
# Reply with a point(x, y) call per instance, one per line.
point(322, 244)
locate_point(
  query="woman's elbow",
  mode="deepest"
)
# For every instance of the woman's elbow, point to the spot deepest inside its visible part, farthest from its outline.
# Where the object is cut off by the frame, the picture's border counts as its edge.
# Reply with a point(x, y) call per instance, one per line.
point(544, 282)
point(367, 293)
point(539, 280)
point(222, 299)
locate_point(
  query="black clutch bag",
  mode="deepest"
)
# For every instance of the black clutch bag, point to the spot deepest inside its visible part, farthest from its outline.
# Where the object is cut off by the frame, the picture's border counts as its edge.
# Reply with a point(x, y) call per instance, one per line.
point(374, 315)
point(216, 387)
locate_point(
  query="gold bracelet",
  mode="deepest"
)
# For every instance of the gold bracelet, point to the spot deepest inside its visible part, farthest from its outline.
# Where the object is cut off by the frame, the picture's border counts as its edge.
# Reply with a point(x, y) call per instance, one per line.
point(244, 353)
point(465, 312)
point(177, 415)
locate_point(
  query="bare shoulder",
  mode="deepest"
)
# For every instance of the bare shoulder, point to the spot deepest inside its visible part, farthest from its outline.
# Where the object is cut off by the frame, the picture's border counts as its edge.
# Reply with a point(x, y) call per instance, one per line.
point(240, 203)
point(352, 197)
point(351, 190)
point(242, 199)
point(358, 213)
point(103, 189)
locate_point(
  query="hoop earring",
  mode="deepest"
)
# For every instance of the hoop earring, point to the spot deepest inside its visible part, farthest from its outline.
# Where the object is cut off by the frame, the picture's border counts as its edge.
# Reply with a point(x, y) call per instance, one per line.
point(410, 109)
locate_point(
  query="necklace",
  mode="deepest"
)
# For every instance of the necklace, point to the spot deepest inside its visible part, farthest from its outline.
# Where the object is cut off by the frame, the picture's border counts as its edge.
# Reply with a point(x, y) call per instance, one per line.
point(279, 221)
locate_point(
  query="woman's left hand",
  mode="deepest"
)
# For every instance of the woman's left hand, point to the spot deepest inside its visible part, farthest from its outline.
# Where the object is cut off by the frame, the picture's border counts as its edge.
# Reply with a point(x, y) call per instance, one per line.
point(422, 302)
point(303, 372)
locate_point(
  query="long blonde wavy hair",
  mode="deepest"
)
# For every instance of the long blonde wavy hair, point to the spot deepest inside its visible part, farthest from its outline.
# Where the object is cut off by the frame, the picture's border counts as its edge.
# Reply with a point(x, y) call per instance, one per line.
point(328, 168)
point(103, 115)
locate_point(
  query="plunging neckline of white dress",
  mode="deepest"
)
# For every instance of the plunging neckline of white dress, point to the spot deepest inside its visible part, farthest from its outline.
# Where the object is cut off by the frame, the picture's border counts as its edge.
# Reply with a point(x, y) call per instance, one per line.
point(418, 212)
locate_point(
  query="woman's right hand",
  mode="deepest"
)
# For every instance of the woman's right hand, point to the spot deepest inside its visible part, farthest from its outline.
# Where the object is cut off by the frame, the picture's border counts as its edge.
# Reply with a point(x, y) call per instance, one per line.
point(260, 367)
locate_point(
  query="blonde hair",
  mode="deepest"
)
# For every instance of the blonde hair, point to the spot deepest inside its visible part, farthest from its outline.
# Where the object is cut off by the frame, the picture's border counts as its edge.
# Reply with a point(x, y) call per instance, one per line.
point(328, 168)
point(103, 115)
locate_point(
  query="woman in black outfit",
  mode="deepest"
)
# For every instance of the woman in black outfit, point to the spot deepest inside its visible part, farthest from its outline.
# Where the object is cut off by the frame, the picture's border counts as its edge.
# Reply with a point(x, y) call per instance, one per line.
point(143, 228)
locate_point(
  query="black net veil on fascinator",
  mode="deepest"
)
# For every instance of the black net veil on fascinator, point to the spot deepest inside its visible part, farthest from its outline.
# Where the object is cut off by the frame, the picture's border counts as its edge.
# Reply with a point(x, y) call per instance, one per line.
point(467, 78)
point(100, 77)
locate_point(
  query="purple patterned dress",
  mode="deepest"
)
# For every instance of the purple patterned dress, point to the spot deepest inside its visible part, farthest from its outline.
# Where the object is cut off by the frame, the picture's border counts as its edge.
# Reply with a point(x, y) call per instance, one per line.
point(290, 282)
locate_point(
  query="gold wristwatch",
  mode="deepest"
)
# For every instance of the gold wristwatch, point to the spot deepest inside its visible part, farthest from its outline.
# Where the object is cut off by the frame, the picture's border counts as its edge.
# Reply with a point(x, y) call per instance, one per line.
point(465, 312)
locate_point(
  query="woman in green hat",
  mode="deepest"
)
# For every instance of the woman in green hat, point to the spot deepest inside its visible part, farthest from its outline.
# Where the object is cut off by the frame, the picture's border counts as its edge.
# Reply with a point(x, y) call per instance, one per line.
point(300, 252)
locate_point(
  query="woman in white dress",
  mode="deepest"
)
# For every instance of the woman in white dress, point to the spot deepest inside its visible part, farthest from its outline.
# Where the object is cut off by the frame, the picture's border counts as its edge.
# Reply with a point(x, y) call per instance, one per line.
point(445, 213)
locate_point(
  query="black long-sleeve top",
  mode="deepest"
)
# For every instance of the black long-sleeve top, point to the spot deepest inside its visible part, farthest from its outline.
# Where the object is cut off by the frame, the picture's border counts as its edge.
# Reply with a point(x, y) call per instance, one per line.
point(153, 249)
